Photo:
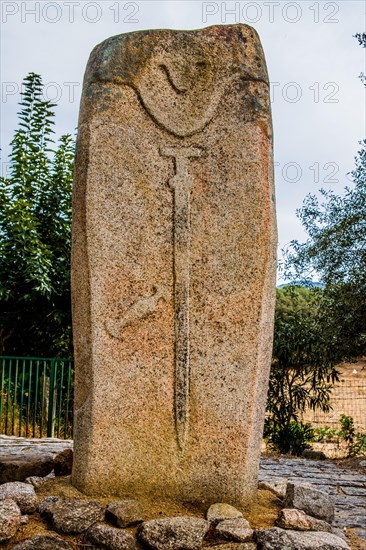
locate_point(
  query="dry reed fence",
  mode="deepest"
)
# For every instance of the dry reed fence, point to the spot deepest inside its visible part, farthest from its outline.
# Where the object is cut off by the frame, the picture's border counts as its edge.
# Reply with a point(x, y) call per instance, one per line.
point(348, 397)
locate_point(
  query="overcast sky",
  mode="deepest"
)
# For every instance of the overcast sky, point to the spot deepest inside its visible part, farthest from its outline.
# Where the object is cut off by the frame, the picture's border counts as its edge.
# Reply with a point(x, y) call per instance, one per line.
point(312, 57)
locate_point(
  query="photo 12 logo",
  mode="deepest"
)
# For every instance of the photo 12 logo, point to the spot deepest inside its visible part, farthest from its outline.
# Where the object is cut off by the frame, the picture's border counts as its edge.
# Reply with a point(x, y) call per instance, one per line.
point(53, 12)
point(293, 92)
point(253, 12)
point(293, 172)
point(51, 91)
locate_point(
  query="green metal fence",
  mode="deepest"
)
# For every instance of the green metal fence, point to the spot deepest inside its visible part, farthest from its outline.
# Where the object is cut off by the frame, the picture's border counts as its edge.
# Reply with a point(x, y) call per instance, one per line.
point(36, 397)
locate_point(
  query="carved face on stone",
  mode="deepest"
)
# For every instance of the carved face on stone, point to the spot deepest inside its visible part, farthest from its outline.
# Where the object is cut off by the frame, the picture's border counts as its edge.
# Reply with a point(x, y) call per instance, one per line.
point(180, 89)
point(174, 266)
point(181, 79)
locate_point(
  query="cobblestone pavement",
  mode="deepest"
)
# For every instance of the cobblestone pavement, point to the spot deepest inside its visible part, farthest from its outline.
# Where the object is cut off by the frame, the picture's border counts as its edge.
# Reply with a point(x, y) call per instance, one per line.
point(347, 486)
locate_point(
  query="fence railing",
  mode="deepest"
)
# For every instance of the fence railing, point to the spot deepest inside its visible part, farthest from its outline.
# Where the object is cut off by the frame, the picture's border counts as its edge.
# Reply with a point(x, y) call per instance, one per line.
point(36, 397)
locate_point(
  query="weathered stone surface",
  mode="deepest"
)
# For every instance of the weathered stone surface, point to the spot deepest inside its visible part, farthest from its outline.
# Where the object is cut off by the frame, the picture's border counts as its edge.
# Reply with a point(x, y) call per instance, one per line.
point(43, 542)
point(278, 488)
point(11, 445)
point(235, 529)
point(110, 538)
point(291, 518)
point(19, 468)
point(63, 462)
point(297, 519)
point(305, 497)
point(70, 516)
point(221, 511)
point(339, 533)
point(45, 504)
point(22, 493)
point(37, 481)
point(174, 266)
point(10, 516)
point(278, 539)
point(179, 533)
point(125, 513)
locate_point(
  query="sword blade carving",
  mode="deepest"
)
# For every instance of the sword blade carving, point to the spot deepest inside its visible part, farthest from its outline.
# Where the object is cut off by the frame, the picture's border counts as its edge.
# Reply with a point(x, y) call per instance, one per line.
point(181, 184)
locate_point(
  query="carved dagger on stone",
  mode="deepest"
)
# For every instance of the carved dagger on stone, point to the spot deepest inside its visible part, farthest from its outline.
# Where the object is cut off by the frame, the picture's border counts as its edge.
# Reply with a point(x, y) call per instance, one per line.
point(181, 184)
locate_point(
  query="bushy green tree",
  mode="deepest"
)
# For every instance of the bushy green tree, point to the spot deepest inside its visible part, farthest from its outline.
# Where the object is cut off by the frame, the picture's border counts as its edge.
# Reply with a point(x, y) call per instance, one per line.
point(303, 369)
point(335, 251)
point(35, 226)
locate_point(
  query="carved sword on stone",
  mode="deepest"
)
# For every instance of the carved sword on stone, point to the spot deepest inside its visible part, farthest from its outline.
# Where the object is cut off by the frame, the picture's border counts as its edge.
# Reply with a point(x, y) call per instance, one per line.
point(181, 184)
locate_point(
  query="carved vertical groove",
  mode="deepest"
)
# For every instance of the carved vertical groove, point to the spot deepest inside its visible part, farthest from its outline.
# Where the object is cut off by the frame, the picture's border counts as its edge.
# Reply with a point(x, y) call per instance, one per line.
point(181, 184)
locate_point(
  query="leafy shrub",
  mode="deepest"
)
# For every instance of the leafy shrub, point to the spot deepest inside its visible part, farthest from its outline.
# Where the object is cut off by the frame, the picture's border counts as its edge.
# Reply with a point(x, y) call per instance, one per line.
point(303, 369)
point(292, 438)
point(325, 434)
point(356, 441)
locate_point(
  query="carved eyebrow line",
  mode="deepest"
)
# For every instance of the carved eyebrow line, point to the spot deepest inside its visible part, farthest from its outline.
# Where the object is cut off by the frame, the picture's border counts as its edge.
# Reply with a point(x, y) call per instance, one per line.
point(170, 80)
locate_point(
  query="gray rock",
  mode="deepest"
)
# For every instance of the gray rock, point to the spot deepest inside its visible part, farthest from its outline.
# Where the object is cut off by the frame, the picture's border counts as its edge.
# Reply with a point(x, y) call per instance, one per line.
point(177, 533)
point(281, 539)
point(20, 467)
point(71, 516)
point(221, 511)
point(125, 513)
point(43, 542)
point(110, 538)
point(276, 487)
point(35, 481)
point(339, 533)
point(46, 502)
point(312, 501)
point(23, 494)
point(237, 530)
point(63, 462)
point(38, 481)
point(10, 516)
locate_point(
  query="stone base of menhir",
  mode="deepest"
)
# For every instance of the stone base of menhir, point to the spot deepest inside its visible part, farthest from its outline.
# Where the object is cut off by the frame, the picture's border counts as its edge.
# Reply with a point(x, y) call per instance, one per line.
point(173, 267)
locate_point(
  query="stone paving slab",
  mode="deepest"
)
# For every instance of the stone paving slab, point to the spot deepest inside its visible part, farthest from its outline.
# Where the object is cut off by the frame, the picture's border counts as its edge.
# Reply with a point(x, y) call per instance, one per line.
point(21, 457)
point(11, 446)
point(348, 487)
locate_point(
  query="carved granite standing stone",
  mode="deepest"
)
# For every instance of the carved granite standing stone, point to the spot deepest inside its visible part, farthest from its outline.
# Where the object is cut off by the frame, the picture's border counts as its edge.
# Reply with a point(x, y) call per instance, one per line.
point(173, 274)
